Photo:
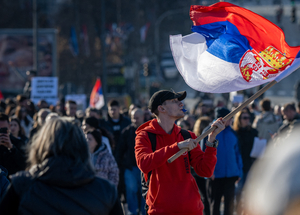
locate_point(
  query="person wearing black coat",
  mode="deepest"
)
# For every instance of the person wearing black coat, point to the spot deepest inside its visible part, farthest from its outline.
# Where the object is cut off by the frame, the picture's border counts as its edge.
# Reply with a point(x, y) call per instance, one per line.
point(125, 158)
point(60, 178)
point(12, 151)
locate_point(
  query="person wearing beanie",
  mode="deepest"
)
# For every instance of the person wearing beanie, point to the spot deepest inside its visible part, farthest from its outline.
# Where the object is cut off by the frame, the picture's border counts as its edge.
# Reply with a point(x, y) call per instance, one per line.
point(229, 167)
point(172, 188)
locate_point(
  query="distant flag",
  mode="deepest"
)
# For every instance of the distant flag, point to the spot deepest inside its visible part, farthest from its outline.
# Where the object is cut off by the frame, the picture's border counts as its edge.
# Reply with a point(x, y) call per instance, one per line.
point(84, 36)
point(97, 98)
point(1, 95)
point(232, 49)
point(144, 31)
point(73, 42)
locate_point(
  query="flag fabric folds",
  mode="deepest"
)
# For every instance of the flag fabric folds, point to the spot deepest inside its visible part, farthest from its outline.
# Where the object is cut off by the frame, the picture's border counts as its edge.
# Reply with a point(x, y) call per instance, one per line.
point(231, 49)
point(97, 98)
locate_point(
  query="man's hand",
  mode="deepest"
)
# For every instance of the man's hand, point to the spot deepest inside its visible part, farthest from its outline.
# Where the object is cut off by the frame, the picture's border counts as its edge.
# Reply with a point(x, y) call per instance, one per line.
point(220, 126)
point(189, 144)
point(5, 141)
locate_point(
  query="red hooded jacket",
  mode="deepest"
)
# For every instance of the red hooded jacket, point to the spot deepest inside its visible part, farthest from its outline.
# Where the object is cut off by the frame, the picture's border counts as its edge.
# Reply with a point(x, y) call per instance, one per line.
point(172, 188)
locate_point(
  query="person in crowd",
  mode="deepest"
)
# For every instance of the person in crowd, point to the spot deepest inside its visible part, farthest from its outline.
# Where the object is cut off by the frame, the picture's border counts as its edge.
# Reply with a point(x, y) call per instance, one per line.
point(125, 158)
point(172, 189)
point(147, 114)
point(254, 111)
point(184, 124)
point(266, 123)
point(278, 113)
point(60, 178)
point(200, 124)
point(80, 114)
point(273, 186)
point(21, 100)
point(40, 121)
point(91, 124)
point(116, 121)
point(10, 109)
point(27, 88)
point(202, 109)
point(50, 116)
point(30, 108)
point(42, 104)
point(291, 120)
point(104, 163)
point(25, 120)
point(246, 134)
point(131, 108)
point(4, 182)
point(89, 112)
point(2, 105)
point(60, 107)
point(191, 120)
point(71, 108)
point(12, 154)
point(228, 170)
point(16, 129)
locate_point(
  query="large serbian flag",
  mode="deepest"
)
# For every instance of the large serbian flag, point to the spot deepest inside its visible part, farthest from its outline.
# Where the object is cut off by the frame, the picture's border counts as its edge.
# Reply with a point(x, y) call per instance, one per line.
point(232, 49)
point(97, 98)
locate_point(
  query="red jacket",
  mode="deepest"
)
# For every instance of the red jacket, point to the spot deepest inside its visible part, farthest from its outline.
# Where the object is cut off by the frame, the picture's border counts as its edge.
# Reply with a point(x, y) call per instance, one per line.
point(172, 188)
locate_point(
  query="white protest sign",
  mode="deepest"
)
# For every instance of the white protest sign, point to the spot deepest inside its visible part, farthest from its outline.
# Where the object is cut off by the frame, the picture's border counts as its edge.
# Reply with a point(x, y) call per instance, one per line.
point(80, 100)
point(44, 88)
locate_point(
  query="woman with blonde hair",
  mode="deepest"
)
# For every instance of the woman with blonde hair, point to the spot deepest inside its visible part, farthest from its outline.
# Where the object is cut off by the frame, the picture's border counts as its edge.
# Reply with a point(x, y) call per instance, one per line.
point(60, 178)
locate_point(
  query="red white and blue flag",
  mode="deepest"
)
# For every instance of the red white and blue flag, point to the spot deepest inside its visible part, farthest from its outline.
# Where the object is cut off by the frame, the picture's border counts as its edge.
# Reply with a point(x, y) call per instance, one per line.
point(232, 49)
point(97, 98)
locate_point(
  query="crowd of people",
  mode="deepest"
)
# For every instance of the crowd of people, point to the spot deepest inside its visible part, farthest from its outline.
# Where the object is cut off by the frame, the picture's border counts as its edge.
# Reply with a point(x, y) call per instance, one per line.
point(47, 149)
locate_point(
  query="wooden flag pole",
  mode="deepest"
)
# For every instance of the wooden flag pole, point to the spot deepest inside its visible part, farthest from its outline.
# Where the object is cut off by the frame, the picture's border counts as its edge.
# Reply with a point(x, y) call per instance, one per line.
point(227, 117)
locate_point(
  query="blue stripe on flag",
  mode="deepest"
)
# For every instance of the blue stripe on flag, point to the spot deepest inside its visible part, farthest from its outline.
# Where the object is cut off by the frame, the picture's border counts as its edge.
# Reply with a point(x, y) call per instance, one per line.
point(224, 40)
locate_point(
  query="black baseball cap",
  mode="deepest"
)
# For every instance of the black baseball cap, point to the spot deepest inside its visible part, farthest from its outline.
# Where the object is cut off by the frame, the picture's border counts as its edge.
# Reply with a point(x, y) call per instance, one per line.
point(160, 96)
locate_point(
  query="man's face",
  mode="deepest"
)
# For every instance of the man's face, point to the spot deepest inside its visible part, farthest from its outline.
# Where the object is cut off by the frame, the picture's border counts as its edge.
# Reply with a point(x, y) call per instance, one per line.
point(174, 108)
point(4, 124)
point(114, 112)
point(137, 118)
point(71, 109)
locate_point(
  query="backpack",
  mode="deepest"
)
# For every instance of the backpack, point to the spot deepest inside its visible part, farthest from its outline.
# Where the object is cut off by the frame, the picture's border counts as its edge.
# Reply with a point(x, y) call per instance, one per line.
point(145, 185)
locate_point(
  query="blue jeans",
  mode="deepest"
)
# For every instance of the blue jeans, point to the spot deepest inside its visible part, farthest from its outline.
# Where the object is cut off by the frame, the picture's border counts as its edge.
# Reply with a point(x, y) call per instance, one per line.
point(133, 186)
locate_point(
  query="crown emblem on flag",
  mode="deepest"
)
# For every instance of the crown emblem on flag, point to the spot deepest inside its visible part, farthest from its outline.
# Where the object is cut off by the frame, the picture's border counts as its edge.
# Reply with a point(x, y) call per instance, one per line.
point(263, 65)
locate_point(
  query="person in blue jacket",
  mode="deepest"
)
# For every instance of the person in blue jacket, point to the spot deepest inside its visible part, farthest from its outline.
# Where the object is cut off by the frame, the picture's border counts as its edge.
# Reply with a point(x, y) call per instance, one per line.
point(228, 170)
point(4, 182)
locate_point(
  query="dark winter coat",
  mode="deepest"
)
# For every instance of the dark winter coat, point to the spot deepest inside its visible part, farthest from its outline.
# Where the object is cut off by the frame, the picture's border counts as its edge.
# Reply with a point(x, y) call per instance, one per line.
point(13, 160)
point(60, 186)
point(125, 151)
point(246, 139)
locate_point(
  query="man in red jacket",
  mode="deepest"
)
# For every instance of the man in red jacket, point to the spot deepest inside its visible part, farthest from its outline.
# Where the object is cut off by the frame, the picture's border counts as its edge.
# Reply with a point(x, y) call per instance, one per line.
point(172, 188)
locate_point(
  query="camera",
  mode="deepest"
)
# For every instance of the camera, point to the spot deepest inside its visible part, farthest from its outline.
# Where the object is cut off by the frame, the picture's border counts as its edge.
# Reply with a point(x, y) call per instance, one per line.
point(3, 130)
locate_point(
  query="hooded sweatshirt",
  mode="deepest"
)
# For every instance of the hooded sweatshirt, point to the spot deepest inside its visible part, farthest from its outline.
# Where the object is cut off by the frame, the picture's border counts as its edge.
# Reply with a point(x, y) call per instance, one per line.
point(172, 188)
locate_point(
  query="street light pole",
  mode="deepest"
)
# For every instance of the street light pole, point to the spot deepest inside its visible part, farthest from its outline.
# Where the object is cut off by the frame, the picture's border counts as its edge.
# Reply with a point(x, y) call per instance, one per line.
point(156, 36)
